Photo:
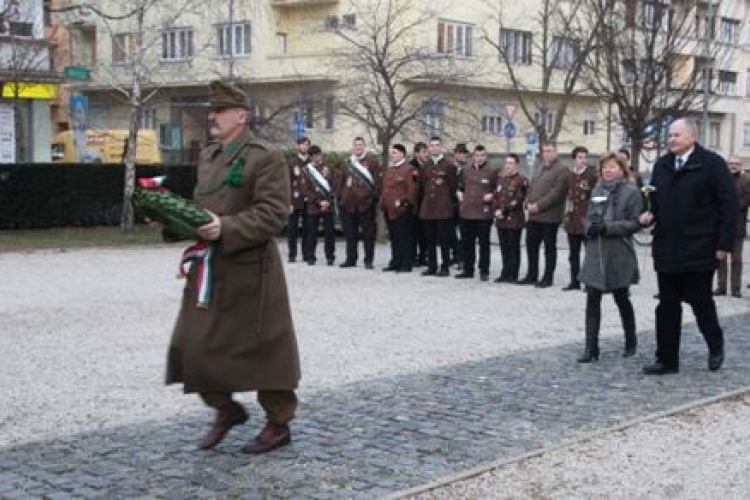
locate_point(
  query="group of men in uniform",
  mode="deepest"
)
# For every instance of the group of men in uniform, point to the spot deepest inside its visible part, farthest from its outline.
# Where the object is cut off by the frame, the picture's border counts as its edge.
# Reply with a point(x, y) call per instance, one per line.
point(425, 199)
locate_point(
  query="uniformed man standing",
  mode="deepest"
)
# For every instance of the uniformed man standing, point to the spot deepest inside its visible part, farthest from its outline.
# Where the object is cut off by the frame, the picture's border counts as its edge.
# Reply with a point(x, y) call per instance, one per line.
point(297, 208)
point(580, 181)
point(234, 332)
point(358, 191)
point(476, 188)
point(318, 189)
point(398, 203)
point(440, 183)
point(742, 183)
point(510, 195)
point(418, 162)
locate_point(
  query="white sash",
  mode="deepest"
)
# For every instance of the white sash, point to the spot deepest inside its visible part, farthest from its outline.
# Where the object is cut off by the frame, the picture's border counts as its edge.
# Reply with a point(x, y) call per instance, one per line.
point(321, 181)
point(362, 170)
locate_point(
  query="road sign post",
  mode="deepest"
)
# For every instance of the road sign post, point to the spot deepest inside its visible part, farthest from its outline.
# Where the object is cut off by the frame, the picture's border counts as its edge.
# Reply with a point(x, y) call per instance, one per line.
point(509, 131)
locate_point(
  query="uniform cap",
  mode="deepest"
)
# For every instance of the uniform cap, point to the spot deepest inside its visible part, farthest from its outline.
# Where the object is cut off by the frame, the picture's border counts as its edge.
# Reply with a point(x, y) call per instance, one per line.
point(227, 95)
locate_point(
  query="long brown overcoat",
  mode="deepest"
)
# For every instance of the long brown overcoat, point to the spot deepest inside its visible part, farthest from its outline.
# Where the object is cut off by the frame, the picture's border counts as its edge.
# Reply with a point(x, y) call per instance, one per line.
point(244, 340)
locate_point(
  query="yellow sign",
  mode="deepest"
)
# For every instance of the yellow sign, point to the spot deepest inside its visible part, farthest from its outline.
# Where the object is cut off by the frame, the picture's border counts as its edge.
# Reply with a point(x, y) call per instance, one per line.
point(24, 90)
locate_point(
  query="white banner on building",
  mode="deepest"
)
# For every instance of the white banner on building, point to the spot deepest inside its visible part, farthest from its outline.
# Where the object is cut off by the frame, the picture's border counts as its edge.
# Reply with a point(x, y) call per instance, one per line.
point(7, 134)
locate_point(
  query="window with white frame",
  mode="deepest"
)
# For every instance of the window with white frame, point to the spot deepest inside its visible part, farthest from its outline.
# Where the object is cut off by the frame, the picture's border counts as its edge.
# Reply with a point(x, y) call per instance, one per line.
point(705, 24)
point(589, 123)
point(177, 44)
point(148, 119)
point(281, 43)
point(233, 39)
point(545, 119)
point(455, 38)
point(730, 30)
point(563, 52)
point(714, 135)
point(433, 115)
point(746, 135)
point(492, 123)
point(727, 83)
point(516, 46)
point(123, 48)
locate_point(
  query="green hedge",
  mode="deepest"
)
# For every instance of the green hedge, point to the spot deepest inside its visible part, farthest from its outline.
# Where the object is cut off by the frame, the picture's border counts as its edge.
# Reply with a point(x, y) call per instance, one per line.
point(45, 195)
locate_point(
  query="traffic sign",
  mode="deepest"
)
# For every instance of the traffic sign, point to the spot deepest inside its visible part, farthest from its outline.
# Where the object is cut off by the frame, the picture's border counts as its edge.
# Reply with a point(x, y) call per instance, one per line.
point(77, 73)
point(531, 138)
point(510, 110)
point(510, 130)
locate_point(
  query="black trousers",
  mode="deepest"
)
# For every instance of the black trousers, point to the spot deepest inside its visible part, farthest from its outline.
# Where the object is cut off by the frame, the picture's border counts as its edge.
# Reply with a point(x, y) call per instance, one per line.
point(438, 232)
point(420, 243)
point(695, 289)
point(536, 233)
point(575, 241)
point(310, 243)
point(293, 232)
point(473, 231)
point(457, 248)
point(594, 311)
point(510, 249)
point(353, 222)
point(401, 232)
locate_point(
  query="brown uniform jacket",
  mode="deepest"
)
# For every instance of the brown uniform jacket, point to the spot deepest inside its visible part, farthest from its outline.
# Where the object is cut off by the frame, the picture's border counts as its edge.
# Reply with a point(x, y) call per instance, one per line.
point(547, 190)
point(579, 188)
point(354, 194)
point(244, 339)
point(314, 194)
point(399, 191)
point(474, 183)
point(509, 198)
point(295, 181)
point(439, 184)
point(742, 182)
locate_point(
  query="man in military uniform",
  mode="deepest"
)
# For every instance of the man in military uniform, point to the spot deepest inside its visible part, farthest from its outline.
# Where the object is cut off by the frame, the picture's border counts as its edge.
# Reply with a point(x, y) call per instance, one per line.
point(418, 163)
point(510, 195)
point(462, 159)
point(297, 207)
point(742, 183)
point(398, 203)
point(476, 188)
point(580, 181)
point(317, 186)
point(234, 332)
point(546, 205)
point(440, 182)
point(358, 191)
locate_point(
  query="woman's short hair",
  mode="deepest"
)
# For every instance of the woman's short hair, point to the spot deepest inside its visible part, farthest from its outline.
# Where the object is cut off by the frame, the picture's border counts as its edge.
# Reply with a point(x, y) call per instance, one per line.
point(619, 158)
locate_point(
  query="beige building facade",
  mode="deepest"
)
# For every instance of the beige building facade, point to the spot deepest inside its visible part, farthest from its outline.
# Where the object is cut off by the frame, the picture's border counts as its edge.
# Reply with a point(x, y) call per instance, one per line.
point(290, 57)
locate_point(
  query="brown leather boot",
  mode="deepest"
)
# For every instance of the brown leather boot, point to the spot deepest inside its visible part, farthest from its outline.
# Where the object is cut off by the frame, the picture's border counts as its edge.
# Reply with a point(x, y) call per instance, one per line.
point(271, 437)
point(226, 418)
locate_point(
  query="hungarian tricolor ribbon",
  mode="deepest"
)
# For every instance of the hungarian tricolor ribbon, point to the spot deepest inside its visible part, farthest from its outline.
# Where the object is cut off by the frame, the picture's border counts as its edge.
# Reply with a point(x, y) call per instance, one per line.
point(153, 182)
point(199, 255)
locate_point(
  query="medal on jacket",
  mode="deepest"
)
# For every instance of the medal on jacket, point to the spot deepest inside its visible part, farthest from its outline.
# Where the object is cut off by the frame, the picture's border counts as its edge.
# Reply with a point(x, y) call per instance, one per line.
point(297, 171)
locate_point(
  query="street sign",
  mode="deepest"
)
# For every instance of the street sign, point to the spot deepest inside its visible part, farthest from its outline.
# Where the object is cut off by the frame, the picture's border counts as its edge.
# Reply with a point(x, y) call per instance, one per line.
point(531, 138)
point(509, 130)
point(77, 73)
point(510, 110)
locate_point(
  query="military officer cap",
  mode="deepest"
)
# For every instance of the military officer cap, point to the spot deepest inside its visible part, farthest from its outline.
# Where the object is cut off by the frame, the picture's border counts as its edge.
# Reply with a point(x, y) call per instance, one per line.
point(227, 95)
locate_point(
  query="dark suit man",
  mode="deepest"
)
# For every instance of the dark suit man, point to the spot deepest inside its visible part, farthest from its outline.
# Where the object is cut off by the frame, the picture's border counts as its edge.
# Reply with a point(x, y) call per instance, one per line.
point(694, 207)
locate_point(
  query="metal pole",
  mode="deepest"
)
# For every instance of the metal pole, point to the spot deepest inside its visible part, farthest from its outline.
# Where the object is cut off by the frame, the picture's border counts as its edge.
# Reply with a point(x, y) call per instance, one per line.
point(705, 129)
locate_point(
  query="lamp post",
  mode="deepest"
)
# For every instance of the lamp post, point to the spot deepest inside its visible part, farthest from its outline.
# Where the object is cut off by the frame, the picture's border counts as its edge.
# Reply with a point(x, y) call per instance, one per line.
point(705, 129)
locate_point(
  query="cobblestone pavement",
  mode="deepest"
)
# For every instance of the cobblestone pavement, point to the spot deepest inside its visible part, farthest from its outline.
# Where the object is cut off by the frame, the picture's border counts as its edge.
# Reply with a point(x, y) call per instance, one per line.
point(374, 437)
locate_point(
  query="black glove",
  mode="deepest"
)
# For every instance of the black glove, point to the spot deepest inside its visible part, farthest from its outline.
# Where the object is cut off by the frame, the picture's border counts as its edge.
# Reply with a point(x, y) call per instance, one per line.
point(596, 229)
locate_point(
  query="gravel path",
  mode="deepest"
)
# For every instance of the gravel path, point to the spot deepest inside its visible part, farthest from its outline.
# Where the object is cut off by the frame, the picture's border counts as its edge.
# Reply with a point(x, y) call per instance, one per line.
point(84, 336)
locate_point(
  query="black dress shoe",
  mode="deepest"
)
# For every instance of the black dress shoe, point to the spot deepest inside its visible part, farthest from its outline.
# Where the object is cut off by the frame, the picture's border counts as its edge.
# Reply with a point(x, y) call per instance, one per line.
point(329, 262)
point(403, 270)
point(720, 291)
point(484, 277)
point(311, 262)
point(292, 260)
point(464, 275)
point(572, 286)
point(226, 418)
point(660, 368)
point(347, 264)
point(737, 294)
point(544, 283)
point(443, 272)
point(390, 268)
point(368, 265)
point(429, 272)
point(527, 281)
point(499, 279)
point(715, 360)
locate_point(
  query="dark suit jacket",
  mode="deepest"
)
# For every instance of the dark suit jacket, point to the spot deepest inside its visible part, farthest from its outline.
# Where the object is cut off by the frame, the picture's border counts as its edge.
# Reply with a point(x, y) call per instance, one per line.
point(695, 211)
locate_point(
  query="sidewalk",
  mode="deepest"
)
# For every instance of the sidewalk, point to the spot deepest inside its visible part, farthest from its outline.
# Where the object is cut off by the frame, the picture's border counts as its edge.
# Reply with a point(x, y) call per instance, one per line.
point(406, 380)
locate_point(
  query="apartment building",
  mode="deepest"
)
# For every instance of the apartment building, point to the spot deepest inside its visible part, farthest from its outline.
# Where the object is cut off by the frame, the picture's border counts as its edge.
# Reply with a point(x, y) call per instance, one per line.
point(292, 59)
point(28, 81)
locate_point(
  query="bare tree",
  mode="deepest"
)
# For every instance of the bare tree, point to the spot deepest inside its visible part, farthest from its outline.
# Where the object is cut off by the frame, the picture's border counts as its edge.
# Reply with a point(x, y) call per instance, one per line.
point(552, 45)
point(650, 62)
point(136, 29)
point(391, 77)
